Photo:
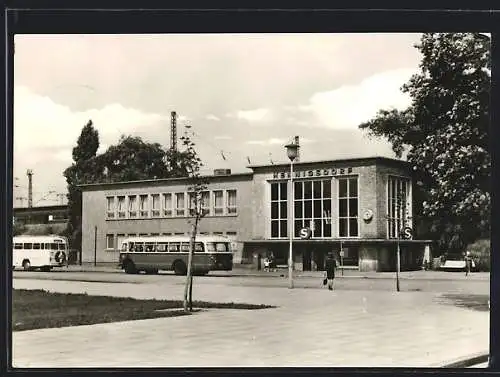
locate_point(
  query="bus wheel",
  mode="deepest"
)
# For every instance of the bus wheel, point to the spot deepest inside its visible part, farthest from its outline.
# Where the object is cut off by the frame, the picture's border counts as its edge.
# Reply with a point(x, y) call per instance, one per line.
point(179, 268)
point(26, 265)
point(130, 268)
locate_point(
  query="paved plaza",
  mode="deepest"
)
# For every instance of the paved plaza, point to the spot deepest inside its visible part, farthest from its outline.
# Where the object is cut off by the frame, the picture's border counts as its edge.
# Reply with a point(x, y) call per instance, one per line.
point(310, 327)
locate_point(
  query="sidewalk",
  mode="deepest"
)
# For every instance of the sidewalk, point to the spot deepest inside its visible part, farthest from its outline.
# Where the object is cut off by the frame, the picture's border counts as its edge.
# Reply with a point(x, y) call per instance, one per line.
point(346, 273)
point(312, 327)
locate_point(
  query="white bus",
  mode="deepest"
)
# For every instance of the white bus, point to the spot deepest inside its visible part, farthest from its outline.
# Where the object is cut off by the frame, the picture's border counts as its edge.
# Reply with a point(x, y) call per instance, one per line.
point(153, 253)
point(43, 252)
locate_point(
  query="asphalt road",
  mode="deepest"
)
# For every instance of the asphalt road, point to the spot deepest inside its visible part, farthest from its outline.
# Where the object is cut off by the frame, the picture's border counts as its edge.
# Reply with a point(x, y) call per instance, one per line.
point(459, 284)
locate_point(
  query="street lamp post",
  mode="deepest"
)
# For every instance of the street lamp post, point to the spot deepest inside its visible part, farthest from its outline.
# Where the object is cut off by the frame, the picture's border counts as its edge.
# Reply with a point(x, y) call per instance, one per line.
point(292, 152)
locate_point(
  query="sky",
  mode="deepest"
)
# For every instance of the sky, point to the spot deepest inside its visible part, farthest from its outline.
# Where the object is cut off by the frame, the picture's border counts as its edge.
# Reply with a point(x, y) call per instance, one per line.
point(244, 95)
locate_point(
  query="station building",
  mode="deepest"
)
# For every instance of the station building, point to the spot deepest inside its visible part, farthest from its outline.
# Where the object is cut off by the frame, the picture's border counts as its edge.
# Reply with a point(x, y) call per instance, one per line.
point(360, 208)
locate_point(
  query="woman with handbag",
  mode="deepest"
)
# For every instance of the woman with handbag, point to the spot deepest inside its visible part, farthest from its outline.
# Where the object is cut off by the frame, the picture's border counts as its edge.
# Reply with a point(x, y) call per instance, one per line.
point(330, 265)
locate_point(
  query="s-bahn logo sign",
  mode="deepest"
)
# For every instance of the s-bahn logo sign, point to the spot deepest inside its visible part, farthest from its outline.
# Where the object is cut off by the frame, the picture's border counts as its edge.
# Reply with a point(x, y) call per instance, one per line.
point(305, 233)
point(313, 173)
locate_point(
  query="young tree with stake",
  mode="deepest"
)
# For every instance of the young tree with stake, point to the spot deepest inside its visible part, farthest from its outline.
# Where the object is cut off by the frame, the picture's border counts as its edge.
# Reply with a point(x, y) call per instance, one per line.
point(196, 212)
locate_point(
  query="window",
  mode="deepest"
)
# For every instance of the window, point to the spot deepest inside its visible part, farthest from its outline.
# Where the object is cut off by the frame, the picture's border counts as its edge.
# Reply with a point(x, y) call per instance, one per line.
point(398, 205)
point(198, 247)
point(173, 247)
point(312, 206)
point(218, 246)
point(54, 246)
point(218, 233)
point(150, 247)
point(348, 207)
point(18, 246)
point(110, 212)
point(36, 246)
point(179, 204)
point(161, 247)
point(119, 239)
point(139, 247)
point(231, 202)
point(218, 202)
point(185, 247)
point(155, 205)
point(110, 241)
point(144, 205)
point(167, 205)
point(29, 246)
point(205, 202)
point(192, 203)
point(132, 206)
point(279, 210)
point(121, 207)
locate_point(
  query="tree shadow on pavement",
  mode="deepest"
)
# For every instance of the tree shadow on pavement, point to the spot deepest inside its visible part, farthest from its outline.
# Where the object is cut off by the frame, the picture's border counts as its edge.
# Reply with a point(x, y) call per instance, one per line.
point(469, 301)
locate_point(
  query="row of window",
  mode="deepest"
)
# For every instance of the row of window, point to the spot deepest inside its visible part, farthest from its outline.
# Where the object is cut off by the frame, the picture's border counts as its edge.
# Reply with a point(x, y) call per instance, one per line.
point(312, 207)
point(178, 204)
point(175, 247)
point(119, 238)
point(39, 246)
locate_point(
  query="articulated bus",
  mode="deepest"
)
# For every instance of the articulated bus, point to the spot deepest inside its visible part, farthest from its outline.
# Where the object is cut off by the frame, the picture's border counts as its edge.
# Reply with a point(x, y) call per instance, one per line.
point(43, 252)
point(153, 253)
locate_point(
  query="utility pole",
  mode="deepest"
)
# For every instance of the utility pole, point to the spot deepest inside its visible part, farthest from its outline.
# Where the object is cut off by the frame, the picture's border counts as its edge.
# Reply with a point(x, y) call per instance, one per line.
point(29, 173)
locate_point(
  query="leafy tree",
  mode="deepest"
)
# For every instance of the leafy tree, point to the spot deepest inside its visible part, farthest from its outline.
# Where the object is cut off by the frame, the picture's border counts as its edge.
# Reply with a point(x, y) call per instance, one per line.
point(87, 145)
point(445, 134)
point(132, 159)
point(84, 154)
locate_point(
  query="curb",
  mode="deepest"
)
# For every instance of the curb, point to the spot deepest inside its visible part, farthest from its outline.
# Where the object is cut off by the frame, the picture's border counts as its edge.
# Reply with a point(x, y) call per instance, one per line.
point(469, 361)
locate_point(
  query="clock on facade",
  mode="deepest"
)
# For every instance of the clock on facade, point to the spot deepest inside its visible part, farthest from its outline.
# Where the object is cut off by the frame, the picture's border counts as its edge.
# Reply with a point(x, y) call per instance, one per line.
point(368, 215)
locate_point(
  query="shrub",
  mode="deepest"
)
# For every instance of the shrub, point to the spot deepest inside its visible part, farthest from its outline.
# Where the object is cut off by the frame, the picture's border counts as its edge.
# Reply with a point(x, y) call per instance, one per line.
point(480, 252)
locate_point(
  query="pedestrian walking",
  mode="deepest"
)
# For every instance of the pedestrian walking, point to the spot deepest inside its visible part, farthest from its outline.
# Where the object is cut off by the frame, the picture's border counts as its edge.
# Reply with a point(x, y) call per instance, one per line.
point(330, 265)
point(468, 262)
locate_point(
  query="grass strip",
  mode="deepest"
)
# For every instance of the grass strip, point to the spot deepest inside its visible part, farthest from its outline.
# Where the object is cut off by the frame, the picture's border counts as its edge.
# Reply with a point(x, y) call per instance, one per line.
point(38, 309)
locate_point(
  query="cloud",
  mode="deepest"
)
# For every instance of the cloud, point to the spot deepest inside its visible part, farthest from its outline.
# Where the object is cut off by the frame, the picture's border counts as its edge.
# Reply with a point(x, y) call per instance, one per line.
point(212, 117)
point(350, 105)
point(271, 141)
point(45, 132)
point(257, 115)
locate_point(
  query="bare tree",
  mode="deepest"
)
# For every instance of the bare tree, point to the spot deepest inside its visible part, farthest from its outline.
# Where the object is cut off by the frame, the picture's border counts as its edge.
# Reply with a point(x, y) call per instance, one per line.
point(198, 184)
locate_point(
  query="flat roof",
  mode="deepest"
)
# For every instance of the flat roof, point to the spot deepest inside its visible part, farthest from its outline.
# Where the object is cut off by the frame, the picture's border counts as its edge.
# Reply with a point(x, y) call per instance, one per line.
point(159, 180)
point(372, 159)
point(351, 159)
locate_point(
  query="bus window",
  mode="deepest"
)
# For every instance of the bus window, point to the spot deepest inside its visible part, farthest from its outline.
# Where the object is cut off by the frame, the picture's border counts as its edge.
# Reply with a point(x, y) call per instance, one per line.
point(150, 247)
point(173, 247)
point(139, 247)
point(28, 246)
point(185, 247)
point(198, 247)
point(36, 246)
point(54, 246)
point(124, 246)
point(42, 246)
point(161, 247)
point(131, 246)
point(220, 247)
point(62, 246)
point(47, 246)
point(18, 246)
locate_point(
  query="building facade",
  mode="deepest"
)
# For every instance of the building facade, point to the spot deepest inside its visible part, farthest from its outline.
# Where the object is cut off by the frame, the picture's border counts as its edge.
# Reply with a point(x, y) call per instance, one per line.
point(359, 208)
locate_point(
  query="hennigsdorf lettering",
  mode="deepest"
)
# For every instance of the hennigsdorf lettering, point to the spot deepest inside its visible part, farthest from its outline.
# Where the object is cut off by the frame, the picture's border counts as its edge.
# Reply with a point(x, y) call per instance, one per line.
point(313, 173)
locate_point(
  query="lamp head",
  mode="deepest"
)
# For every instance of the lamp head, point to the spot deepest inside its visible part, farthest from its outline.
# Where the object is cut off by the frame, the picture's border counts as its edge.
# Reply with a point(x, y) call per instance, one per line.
point(292, 150)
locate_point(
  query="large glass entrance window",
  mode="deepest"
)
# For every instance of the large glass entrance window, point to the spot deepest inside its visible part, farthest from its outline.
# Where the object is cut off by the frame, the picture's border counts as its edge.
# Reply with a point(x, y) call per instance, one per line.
point(398, 205)
point(313, 206)
point(279, 210)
